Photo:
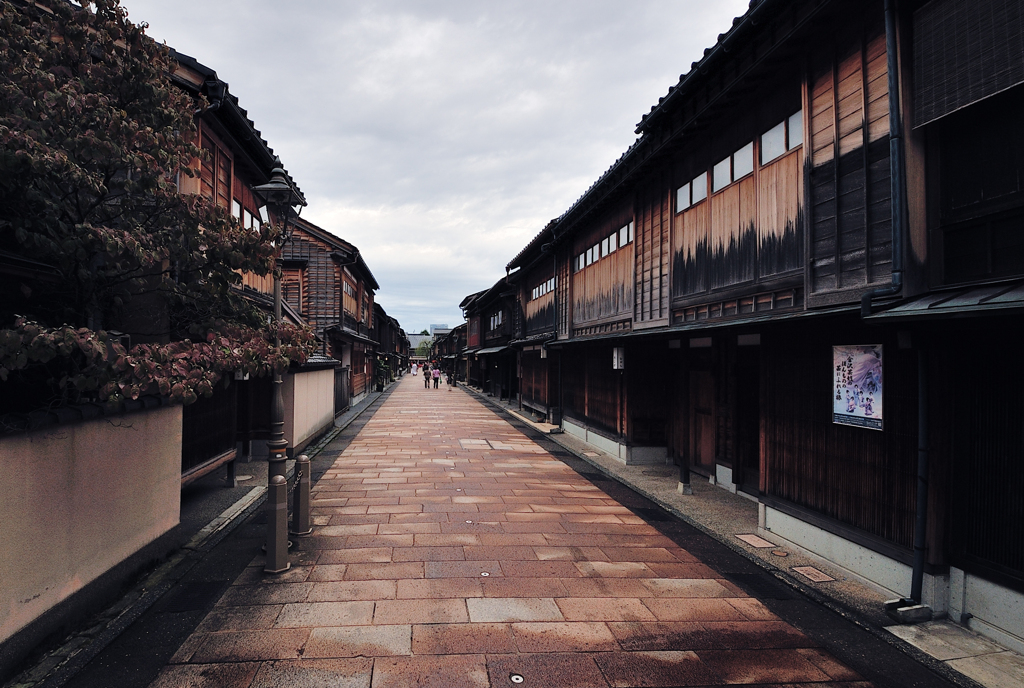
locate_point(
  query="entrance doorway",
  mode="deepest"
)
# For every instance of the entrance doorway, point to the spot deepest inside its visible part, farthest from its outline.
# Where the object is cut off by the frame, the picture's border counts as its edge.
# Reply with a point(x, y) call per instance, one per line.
point(748, 418)
point(702, 417)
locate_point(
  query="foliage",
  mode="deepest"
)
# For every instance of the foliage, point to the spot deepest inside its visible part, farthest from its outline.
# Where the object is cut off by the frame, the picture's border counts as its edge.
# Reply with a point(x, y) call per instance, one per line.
point(424, 348)
point(80, 363)
point(93, 137)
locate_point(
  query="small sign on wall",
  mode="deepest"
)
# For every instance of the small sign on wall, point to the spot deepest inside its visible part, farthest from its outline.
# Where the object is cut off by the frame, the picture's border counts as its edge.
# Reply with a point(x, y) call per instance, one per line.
point(857, 386)
point(619, 358)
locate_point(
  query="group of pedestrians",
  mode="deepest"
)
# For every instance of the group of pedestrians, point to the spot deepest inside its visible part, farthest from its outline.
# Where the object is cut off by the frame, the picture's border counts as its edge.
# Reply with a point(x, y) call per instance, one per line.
point(429, 373)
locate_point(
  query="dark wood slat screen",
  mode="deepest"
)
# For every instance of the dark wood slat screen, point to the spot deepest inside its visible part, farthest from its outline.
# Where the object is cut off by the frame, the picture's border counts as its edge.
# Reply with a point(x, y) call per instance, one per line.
point(965, 50)
point(208, 427)
point(861, 478)
point(988, 448)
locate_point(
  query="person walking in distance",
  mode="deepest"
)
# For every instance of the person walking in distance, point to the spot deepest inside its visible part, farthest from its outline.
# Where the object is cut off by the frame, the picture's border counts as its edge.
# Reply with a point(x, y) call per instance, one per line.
point(426, 377)
point(437, 376)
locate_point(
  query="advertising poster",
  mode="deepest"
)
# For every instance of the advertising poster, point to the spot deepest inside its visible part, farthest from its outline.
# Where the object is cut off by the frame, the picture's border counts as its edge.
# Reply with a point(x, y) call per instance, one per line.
point(857, 388)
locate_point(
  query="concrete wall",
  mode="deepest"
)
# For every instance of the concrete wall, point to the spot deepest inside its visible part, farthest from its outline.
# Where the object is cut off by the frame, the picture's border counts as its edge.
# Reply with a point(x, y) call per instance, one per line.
point(77, 500)
point(631, 456)
point(995, 611)
point(308, 405)
point(890, 575)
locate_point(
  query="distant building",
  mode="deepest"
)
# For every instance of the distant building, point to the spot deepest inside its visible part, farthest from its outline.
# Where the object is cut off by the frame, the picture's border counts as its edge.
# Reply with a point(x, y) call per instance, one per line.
point(416, 339)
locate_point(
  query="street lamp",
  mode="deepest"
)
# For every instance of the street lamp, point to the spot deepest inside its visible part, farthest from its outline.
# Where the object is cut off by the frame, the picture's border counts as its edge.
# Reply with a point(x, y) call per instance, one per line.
point(283, 202)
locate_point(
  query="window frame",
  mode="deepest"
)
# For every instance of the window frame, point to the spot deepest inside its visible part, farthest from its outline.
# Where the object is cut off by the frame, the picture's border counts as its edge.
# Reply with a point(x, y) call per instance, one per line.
point(791, 139)
point(602, 249)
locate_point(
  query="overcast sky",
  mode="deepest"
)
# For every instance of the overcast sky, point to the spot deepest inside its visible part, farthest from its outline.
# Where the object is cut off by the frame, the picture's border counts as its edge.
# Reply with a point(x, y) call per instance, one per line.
point(440, 137)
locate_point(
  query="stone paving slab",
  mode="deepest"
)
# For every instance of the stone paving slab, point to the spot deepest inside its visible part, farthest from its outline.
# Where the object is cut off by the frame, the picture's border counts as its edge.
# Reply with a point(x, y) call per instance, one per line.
point(451, 550)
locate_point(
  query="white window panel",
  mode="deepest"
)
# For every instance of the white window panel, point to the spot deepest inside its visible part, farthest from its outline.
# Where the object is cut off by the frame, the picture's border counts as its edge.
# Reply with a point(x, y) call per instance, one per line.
point(773, 143)
point(721, 175)
point(743, 161)
point(683, 197)
point(700, 187)
point(796, 129)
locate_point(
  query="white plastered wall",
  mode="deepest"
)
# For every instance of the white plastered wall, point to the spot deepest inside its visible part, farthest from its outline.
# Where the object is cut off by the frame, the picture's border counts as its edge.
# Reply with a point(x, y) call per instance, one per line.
point(308, 403)
point(78, 499)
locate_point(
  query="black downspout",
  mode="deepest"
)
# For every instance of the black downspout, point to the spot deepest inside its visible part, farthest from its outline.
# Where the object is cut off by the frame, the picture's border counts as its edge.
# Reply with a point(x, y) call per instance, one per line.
point(895, 164)
point(896, 171)
point(922, 477)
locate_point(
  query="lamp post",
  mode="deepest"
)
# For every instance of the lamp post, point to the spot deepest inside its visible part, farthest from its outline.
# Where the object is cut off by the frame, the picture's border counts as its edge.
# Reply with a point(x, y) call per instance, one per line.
point(282, 199)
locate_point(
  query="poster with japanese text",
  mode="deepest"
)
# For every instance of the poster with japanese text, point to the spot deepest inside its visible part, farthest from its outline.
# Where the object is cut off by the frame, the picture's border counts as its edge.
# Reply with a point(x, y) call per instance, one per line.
point(857, 386)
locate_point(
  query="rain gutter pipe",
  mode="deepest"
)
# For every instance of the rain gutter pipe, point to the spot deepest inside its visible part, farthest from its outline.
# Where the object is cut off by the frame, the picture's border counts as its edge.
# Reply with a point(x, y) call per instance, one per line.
point(895, 164)
point(920, 527)
point(896, 173)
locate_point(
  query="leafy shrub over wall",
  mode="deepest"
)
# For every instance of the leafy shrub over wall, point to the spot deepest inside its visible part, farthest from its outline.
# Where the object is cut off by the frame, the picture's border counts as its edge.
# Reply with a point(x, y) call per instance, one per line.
point(93, 138)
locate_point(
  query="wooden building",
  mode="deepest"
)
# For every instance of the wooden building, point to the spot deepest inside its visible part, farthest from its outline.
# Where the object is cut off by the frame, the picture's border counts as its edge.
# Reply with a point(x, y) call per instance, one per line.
point(326, 281)
point(392, 346)
point(236, 158)
point(491, 361)
point(469, 364)
point(808, 266)
point(448, 350)
point(533, 274)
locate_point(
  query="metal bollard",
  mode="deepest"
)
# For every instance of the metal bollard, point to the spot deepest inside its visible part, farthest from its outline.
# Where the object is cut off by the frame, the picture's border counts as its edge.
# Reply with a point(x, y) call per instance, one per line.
point(277, 526)
point(301, 522)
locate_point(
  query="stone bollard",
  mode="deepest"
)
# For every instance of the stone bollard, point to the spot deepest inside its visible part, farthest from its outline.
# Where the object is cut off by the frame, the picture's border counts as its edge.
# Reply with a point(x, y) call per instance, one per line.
point(277, 526)
point(301, 524)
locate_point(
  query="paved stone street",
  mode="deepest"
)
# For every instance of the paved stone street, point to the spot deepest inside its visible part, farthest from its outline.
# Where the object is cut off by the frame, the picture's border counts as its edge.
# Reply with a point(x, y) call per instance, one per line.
point(451, 550)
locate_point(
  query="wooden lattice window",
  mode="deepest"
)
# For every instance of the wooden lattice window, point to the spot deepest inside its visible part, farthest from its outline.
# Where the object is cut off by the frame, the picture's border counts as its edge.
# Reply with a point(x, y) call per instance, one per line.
point(215, 173)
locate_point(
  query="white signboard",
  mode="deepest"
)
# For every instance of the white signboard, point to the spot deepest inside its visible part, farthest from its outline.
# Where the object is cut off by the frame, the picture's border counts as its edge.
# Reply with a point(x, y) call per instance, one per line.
point(857, 386)
point(619, 358)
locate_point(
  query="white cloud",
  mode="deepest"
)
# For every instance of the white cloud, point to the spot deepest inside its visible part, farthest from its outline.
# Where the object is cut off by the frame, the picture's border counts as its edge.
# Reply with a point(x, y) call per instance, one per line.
point(440, 137)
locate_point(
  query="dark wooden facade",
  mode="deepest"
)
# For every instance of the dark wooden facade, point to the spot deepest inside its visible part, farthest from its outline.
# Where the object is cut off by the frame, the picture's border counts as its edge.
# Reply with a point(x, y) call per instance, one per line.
point(393, 346)
point(535, 279)
point(491, 363)
point(727, 252)
point(327, 282)
point(448, 350)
